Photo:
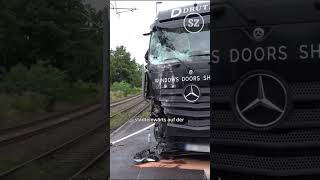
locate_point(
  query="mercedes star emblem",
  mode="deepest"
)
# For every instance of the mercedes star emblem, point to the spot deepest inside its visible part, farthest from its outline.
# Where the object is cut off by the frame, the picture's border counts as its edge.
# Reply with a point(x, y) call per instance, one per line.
point(191, 93)
point(261, 100)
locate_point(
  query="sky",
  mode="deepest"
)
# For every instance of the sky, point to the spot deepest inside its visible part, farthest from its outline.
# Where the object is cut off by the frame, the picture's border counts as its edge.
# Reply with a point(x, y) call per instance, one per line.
point(127, 28)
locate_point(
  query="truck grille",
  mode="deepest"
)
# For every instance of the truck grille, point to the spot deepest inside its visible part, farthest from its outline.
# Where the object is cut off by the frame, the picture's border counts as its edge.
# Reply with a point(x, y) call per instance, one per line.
point(299, 134)
point(196, 114)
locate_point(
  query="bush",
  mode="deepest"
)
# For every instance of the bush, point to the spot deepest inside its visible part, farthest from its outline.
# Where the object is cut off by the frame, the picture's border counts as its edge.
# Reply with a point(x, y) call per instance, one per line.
point(29, 102)
point(135, 90)
point(16, 80)
point(39, 78)
point(80, 90)
point(16, 107)
point(5, 111)
point(46, 79)
point(115, 95)
point(26, 92)
point(122, 87)
point(86, 87)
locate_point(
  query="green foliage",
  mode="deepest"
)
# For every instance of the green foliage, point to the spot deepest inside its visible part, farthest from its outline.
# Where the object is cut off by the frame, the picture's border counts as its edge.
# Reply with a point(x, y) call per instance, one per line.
point(47, 80)
point(80, 91)
point(116, 95)
point(14, 107)
point(39, 78)
point(26, 92)
point(135, 90)
point(86, 87)
point(66, 33)
point(123, 68)
point(15, 80)
point(29, 102)
point(122, 87)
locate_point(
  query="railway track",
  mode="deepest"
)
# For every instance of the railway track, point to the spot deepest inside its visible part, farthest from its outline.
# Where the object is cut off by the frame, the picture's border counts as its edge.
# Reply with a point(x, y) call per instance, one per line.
point(124, 101)
point(81, 153)
point(27, 130)
point(90, 164)
point(97, 158)
point(90, 108)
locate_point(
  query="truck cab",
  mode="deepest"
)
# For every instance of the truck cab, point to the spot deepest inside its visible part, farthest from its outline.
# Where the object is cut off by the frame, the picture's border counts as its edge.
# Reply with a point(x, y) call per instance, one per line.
point(177, 76)
point(266, 89)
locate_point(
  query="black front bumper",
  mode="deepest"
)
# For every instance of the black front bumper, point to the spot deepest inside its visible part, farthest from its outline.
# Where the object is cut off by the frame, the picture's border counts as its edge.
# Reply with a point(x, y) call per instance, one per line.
point(187, 134)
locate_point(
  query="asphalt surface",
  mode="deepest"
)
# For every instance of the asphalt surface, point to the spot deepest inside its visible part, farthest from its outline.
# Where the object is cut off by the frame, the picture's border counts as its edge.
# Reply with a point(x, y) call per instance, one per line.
point(122, 165)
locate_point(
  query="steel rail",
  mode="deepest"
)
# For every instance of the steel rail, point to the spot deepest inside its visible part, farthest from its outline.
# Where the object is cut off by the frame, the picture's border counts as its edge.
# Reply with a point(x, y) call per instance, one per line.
point(99, 156)
point(16, 137)
point(93, 106)
point(61, 146)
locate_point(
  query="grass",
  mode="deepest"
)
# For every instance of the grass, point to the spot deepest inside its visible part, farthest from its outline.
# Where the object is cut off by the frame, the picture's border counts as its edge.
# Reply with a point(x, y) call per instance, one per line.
point(145, 113)
point(30, 92)
point(122, 118)
point(26, 107)
point(118, 95)
point(118, 120)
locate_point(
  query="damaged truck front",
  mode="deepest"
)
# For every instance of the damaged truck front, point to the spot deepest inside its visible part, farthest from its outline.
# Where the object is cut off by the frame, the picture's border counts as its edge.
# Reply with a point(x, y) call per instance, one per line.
point(177, 77)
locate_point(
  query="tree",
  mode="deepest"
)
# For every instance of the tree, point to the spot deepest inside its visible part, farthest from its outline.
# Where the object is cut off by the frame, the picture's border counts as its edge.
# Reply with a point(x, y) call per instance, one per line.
point(123, 68)
point(57, 31)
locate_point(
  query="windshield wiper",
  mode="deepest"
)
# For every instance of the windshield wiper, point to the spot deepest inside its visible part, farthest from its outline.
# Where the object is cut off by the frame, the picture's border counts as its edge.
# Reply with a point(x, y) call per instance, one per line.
point(206, 54)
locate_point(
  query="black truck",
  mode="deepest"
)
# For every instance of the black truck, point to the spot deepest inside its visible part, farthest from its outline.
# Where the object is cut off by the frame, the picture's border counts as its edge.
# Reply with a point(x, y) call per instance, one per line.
point(177, 76)
point(257, 84)
point(265, 94)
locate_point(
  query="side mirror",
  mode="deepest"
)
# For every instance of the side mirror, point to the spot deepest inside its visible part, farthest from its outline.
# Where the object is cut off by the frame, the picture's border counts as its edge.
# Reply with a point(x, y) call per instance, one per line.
point(146, 57)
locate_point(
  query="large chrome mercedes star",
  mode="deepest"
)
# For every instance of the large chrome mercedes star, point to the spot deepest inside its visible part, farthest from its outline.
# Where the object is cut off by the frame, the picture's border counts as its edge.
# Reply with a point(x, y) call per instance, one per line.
point(191, 93)
point(263, 110)
point(261, 100)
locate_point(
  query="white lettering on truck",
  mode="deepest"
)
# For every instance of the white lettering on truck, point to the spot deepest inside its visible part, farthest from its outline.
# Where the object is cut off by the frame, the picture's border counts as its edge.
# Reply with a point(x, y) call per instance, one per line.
point(179, 11)
point(270, 53)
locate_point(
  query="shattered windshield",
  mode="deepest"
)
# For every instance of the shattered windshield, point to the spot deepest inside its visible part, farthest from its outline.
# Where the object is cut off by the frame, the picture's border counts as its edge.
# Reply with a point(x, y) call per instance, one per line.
point(176, 44)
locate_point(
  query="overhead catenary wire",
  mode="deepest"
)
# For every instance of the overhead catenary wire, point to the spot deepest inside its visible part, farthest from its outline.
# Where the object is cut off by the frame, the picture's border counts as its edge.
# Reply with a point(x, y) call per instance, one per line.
point(124, 9)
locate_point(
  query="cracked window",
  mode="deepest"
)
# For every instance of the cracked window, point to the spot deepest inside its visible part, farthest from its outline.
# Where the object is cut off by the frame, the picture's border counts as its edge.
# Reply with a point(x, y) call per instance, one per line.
point(177, 44)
